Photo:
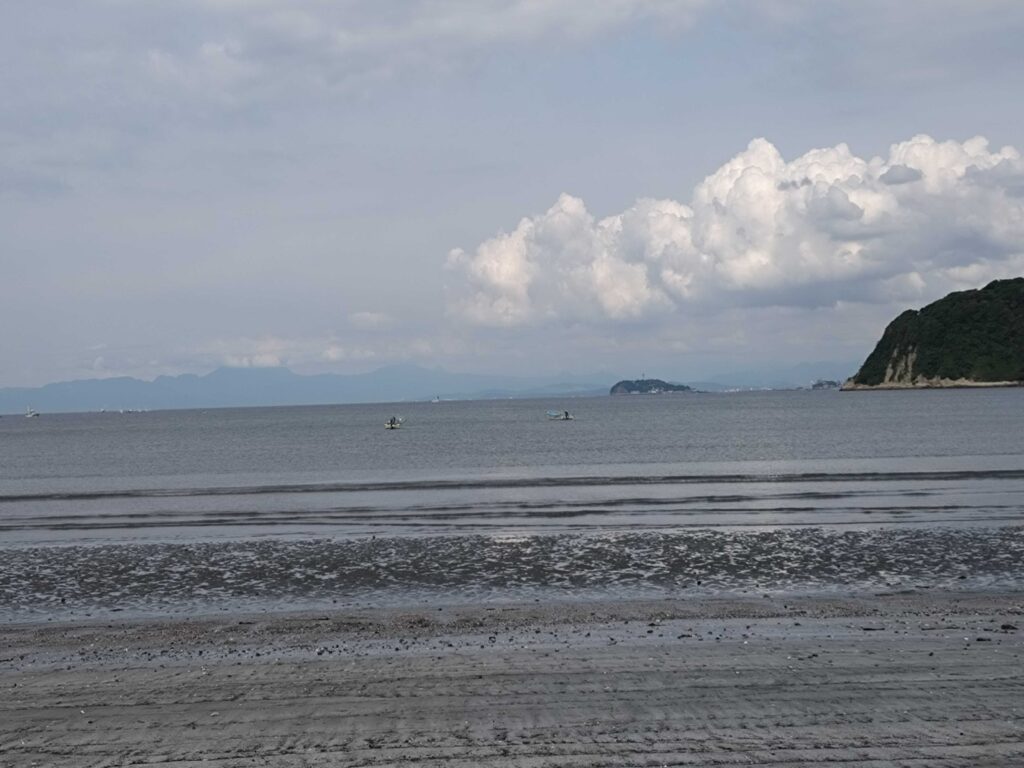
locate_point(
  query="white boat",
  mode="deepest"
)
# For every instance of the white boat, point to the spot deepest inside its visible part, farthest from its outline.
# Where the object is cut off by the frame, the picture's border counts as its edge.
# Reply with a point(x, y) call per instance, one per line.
point(395, 422)
point(30, 414)
point(560, 416)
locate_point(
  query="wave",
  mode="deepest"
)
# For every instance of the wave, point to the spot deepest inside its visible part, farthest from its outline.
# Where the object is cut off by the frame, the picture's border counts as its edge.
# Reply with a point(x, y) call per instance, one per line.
point(589, 516)
point(513, 483)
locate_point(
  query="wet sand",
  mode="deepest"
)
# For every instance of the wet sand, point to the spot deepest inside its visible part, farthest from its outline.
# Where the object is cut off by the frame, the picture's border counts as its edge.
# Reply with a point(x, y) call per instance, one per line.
point(898, 679)
point(68, 583)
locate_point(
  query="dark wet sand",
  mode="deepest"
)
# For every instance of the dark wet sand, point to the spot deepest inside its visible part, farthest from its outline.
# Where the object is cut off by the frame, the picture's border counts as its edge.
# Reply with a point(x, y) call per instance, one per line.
point(884, 680)
point(82, 582)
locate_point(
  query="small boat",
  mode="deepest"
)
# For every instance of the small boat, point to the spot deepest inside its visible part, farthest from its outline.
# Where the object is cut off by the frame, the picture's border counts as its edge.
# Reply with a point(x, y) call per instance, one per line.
point(395, 422)
point(560, 416)
point(30, 414)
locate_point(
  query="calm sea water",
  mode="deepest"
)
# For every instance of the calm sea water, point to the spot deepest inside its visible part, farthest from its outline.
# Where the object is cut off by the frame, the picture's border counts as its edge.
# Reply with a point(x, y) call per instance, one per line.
point(744, 490)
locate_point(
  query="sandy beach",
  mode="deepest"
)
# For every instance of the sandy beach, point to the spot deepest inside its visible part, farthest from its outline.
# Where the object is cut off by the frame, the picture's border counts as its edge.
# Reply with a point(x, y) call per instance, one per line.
point(880, 680)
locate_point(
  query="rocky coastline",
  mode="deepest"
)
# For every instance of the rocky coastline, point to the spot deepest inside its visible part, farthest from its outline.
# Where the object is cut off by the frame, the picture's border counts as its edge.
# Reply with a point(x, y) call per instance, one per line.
point(923, 383)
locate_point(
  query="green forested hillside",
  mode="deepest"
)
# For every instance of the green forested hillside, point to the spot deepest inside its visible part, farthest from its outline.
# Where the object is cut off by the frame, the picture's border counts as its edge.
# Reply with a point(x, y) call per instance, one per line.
point(975, 335)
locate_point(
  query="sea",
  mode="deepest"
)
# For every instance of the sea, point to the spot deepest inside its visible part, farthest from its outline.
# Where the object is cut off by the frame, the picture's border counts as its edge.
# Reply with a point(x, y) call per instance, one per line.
point(196, 512)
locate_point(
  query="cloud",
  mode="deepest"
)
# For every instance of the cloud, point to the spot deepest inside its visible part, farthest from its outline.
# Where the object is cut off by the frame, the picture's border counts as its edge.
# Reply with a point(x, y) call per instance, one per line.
point(252, 361)
point(311, 353)
point(901, 174)
point(213, 68)
point(826, 227)
point(354, 41)
point(264, 352)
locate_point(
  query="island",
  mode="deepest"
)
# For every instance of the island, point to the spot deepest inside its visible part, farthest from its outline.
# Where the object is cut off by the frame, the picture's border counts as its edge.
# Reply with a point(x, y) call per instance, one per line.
point(967, 339)
point(646, 387)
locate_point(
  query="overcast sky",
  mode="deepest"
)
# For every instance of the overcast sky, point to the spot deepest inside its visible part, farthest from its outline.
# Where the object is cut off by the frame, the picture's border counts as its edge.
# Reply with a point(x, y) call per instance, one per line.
point(505, 186)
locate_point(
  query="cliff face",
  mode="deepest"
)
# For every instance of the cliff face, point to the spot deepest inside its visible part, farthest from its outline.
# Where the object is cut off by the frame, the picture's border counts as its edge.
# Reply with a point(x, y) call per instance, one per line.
point(968, 338)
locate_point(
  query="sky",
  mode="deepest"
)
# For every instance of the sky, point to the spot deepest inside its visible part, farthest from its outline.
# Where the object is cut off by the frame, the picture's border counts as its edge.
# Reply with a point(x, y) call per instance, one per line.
point(674, 187)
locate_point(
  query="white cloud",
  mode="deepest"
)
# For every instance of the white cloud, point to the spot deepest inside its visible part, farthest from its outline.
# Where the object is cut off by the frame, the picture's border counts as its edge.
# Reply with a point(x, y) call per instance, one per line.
point(252, 361)
point(264, 352)
point(826, 227)
point(312, 353)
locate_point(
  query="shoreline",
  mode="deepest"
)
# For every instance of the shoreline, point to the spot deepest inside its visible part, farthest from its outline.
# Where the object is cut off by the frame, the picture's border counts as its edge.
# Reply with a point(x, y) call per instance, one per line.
point(848, 386)
point(866, 680)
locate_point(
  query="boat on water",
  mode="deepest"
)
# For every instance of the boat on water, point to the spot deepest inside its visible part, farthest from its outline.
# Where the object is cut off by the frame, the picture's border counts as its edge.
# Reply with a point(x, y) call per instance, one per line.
point(560, 416)
point(31, 414)
point(395, 422)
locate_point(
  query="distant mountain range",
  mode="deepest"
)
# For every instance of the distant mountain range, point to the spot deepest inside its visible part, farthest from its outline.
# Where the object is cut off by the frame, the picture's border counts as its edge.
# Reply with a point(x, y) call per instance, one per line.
point(242, 387)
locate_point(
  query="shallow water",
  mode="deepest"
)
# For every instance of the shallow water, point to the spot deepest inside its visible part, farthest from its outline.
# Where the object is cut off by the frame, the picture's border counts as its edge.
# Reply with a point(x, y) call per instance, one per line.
point(148, 511)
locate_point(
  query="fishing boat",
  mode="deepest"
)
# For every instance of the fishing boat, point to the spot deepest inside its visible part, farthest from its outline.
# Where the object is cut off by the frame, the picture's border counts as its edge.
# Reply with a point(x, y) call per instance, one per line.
point(30, 414)
point(395, 422)
point(560, 416)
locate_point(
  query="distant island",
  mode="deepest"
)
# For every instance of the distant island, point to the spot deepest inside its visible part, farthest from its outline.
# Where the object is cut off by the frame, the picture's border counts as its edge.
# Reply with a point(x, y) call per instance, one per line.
point(825, 384)
point(646, 387)
point(967, 339)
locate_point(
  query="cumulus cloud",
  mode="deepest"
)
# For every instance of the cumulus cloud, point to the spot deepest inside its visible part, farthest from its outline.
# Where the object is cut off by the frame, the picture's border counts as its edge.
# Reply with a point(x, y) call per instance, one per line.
point(900, 174)
point(760, 231)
